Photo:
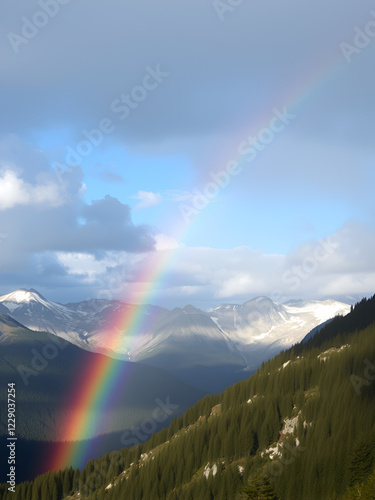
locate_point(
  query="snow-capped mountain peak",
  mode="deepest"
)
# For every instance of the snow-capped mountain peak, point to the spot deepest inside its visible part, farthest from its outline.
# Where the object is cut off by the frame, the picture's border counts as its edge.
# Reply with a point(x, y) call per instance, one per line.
point(20, 296)
point(31, 309)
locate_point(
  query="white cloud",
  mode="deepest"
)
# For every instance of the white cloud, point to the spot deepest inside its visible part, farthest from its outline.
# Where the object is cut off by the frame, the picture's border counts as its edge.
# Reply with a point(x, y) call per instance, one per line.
point(238, 285)
point(109, 271)
point(340, 264)
point(15, 191)
point(147, 199)
point(177, 195)
point(82, 264)
point(350, 284)
point(164, 242)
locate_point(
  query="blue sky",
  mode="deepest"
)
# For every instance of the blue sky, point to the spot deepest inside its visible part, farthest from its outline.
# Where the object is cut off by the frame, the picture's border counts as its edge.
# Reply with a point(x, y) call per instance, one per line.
point(165, 97)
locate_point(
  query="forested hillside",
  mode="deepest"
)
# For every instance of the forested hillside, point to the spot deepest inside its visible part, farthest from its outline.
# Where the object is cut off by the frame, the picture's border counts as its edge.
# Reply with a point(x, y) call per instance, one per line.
point(302, 427)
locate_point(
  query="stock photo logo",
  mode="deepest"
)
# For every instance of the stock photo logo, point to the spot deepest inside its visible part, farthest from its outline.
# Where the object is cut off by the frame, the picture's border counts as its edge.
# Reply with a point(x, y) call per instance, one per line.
point(31, 26)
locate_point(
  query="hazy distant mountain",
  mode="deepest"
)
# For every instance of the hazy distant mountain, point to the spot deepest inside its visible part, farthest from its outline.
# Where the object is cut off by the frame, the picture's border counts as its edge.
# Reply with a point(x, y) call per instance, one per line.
point(189, 332)
point(346, 299)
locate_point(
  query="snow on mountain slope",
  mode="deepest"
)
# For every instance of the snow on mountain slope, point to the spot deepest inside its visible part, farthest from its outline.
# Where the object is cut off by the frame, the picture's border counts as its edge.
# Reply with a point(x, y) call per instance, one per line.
point(261, 319)
point(260, 327)
point(85, 324)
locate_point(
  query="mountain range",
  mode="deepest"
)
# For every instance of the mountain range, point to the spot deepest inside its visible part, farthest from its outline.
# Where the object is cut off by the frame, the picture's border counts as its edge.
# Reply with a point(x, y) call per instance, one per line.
point(209, 349)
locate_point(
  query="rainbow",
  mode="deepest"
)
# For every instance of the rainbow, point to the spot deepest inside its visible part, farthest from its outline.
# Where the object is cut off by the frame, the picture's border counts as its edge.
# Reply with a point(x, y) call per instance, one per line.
point(102, 377)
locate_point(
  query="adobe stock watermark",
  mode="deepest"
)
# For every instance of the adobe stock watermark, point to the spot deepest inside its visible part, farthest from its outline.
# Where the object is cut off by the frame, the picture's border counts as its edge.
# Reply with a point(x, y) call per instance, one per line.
point(248, 150)
point(295, 275)
point(122, 107)
point(32, 26)
point(368, 377)
point(362, 39)
point(223, 7)
point(293, 278)
point(41, 359)
point(148, 426)
point(3, 237)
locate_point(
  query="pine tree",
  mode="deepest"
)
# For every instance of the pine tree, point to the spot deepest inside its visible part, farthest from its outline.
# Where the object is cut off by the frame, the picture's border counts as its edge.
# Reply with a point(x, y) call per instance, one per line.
point(67, 485)
point(21, 492)
point(75, 483)
point(54, 493)
point(36, 492)
point(361, 461)
point(45, 491)
point(259, 488)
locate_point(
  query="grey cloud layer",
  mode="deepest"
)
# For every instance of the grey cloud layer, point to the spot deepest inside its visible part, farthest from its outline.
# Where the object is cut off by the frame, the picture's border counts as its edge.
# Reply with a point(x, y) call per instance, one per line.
point(216, 67)
point(225, 77)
